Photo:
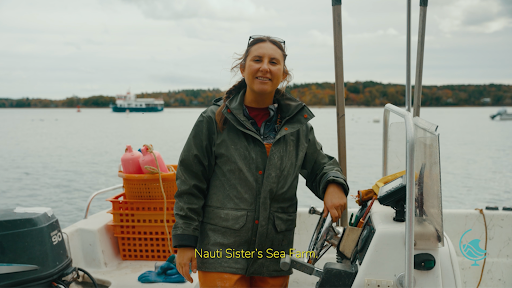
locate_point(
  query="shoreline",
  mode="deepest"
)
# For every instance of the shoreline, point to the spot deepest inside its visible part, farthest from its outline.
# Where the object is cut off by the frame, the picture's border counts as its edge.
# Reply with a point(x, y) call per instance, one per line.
point(311, 106)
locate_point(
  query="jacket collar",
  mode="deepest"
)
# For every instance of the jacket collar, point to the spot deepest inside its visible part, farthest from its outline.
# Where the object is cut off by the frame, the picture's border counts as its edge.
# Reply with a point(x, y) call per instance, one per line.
point(290, 106)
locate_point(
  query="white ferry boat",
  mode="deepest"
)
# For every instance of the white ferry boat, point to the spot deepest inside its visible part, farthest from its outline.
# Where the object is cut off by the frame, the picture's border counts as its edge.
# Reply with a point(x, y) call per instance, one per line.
point(131, 103)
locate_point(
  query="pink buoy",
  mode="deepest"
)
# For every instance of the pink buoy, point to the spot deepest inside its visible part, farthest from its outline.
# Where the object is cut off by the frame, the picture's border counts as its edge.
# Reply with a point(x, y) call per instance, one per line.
point(130, 161)
point(147, 159)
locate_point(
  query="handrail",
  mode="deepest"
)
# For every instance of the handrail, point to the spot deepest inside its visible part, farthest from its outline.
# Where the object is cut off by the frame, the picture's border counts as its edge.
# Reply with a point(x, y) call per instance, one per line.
point(409, 172)
point(98, 193)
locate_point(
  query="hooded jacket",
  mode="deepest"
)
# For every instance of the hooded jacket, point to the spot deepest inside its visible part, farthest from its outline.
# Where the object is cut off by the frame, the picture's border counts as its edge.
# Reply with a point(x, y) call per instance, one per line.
point(236, 205)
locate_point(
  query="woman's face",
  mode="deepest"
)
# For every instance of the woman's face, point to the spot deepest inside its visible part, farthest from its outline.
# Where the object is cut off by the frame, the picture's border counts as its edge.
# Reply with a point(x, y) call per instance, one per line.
point(264, 68)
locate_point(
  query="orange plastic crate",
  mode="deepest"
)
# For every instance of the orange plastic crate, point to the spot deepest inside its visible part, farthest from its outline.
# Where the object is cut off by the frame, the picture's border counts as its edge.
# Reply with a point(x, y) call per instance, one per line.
point(147, 186)
point(143, 218)
point(140, 230)
point(139, 227)
point(144, 248)
point(120, 203)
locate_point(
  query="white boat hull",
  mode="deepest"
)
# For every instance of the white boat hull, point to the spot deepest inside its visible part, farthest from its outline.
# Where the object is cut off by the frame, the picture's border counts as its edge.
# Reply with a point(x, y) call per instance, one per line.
point(94, 247)
point(505, 117)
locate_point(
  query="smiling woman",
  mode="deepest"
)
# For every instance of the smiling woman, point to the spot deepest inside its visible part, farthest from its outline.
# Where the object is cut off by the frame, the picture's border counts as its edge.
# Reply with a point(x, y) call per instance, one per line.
point(238, 174)
point(274, 65)
point(263, 72)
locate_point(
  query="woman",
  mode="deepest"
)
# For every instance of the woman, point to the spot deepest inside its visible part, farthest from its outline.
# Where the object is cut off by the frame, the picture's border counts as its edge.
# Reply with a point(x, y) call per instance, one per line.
point(236, 203)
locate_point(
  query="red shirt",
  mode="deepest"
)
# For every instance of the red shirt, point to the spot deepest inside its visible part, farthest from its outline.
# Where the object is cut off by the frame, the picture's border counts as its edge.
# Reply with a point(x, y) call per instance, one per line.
point(258, 114)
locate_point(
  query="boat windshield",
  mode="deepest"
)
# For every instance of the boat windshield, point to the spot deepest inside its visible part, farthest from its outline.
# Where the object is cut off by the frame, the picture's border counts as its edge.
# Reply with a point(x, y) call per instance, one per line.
point(428, 225)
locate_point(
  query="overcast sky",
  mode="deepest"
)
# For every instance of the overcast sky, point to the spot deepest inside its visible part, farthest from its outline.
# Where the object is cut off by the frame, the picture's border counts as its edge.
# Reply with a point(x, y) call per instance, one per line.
point(56, 49)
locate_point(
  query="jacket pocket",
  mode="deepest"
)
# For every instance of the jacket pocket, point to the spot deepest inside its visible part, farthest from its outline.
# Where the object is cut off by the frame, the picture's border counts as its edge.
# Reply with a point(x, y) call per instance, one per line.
point(280, 237)
point(281, 233)
point(285, 221)
point(225, 231)
point(230, 219)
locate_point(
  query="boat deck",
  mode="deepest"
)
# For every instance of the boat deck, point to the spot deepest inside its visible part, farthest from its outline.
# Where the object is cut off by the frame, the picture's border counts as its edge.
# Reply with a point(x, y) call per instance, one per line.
point(94, 248)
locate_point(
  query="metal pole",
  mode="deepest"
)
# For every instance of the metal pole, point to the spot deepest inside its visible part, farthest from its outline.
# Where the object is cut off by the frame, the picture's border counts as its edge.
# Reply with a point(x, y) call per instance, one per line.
point(385, 143)
point(410, 187)
point(409, 220)
point(419, 57)
point(408, 61)
point(409, 237)
point(340, 95)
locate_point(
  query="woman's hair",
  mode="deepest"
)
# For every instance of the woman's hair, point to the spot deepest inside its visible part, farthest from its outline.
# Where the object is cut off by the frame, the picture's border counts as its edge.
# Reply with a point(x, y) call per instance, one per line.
point(241, 85)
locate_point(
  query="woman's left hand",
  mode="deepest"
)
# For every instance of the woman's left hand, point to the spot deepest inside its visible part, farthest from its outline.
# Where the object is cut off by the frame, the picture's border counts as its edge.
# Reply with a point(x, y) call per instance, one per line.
point(335, 201)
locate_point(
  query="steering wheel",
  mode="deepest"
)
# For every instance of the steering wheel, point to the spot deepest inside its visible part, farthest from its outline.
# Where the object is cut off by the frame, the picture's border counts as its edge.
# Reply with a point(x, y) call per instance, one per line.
point(322, 239)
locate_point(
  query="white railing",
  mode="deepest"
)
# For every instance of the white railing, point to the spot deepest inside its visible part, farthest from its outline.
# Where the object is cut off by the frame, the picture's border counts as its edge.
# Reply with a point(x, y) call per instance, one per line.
point(409, 172)
point(98, 193)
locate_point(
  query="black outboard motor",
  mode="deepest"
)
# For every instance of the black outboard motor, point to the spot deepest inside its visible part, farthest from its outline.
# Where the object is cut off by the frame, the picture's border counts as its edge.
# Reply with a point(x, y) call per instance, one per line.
point(32, 248)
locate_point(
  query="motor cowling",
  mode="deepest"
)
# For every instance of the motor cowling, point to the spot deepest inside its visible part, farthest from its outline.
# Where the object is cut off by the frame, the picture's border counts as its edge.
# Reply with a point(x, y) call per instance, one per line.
point(32, 248)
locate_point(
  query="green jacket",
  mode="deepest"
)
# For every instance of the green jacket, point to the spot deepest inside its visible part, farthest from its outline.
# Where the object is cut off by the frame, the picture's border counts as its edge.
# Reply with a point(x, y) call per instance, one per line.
point(233, 202)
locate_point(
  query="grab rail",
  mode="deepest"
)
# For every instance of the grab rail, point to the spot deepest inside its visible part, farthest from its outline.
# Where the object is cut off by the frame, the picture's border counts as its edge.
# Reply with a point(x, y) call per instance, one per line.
point(409, 172)
point(98, 193)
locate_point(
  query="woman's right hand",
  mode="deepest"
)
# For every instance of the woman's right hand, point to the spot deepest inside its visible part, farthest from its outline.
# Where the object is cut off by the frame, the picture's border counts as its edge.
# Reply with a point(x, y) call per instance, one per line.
point(184, 258)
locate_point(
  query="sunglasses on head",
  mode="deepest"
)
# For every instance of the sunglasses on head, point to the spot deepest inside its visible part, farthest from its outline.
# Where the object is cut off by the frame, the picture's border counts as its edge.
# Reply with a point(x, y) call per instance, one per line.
point(261, 36)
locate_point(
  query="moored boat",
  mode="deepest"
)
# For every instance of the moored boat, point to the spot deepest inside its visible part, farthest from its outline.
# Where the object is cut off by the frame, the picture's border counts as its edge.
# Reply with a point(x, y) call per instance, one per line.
point(502, 115)
point(131, 103)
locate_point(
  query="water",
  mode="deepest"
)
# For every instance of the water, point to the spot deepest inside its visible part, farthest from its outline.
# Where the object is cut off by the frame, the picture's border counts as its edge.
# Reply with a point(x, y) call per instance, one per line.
point(57, 157)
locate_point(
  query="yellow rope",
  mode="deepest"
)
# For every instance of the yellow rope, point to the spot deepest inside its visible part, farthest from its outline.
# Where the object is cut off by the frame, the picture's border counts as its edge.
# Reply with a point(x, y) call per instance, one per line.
point(152, 169)
point(483, 265)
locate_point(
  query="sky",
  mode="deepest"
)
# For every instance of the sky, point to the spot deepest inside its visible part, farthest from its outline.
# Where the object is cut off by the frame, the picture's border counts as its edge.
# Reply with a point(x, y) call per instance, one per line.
point(57, 49)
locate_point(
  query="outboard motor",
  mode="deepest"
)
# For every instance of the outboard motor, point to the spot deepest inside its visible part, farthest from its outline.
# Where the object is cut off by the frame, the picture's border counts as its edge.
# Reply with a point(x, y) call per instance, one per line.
point(32, 248)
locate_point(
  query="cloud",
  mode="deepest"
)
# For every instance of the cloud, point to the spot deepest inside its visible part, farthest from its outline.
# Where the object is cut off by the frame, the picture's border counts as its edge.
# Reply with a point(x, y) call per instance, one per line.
point(387, 32)
point(319, 38)
point(506, 6)
point(475, 16)
point(89, 87)
point(205, 9)
point(56, 49)
point(184, 80)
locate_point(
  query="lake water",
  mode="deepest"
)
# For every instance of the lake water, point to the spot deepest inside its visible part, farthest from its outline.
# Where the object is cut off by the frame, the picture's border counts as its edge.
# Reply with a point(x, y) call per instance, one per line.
point(57, 157)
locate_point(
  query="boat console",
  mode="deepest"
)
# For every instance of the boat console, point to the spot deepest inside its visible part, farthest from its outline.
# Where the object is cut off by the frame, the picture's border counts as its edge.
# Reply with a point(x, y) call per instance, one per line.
point(406, 211)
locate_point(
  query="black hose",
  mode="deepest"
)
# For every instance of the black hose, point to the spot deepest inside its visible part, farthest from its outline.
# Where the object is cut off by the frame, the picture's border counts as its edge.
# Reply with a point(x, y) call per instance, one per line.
point(89, 275)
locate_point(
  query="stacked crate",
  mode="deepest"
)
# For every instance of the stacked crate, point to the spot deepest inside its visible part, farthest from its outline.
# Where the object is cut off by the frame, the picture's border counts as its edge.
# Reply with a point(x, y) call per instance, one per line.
point(138, 216)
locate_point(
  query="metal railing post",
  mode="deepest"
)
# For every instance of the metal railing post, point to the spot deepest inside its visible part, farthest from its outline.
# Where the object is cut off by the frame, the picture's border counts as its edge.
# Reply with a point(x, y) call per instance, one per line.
point(419, 57)
point(340, 95)
point(409, 172)
point(385, 143)
point(408, 100)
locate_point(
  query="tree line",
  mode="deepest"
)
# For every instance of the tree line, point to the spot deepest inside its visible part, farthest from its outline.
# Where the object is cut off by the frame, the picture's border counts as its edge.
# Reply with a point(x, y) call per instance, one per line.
point(367, 93)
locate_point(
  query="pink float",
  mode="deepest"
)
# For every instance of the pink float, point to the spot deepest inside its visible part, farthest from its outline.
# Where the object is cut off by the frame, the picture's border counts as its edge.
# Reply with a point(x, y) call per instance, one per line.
point(130, 161)
point(147, 159)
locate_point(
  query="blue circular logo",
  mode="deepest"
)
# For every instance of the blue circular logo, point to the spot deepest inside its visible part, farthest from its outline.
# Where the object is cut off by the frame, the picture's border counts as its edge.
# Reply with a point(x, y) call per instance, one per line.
point(472, 250)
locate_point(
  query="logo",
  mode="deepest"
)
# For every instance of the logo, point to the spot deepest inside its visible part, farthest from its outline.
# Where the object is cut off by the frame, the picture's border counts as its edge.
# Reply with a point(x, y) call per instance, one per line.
point(56, 236)
point(472, 250)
